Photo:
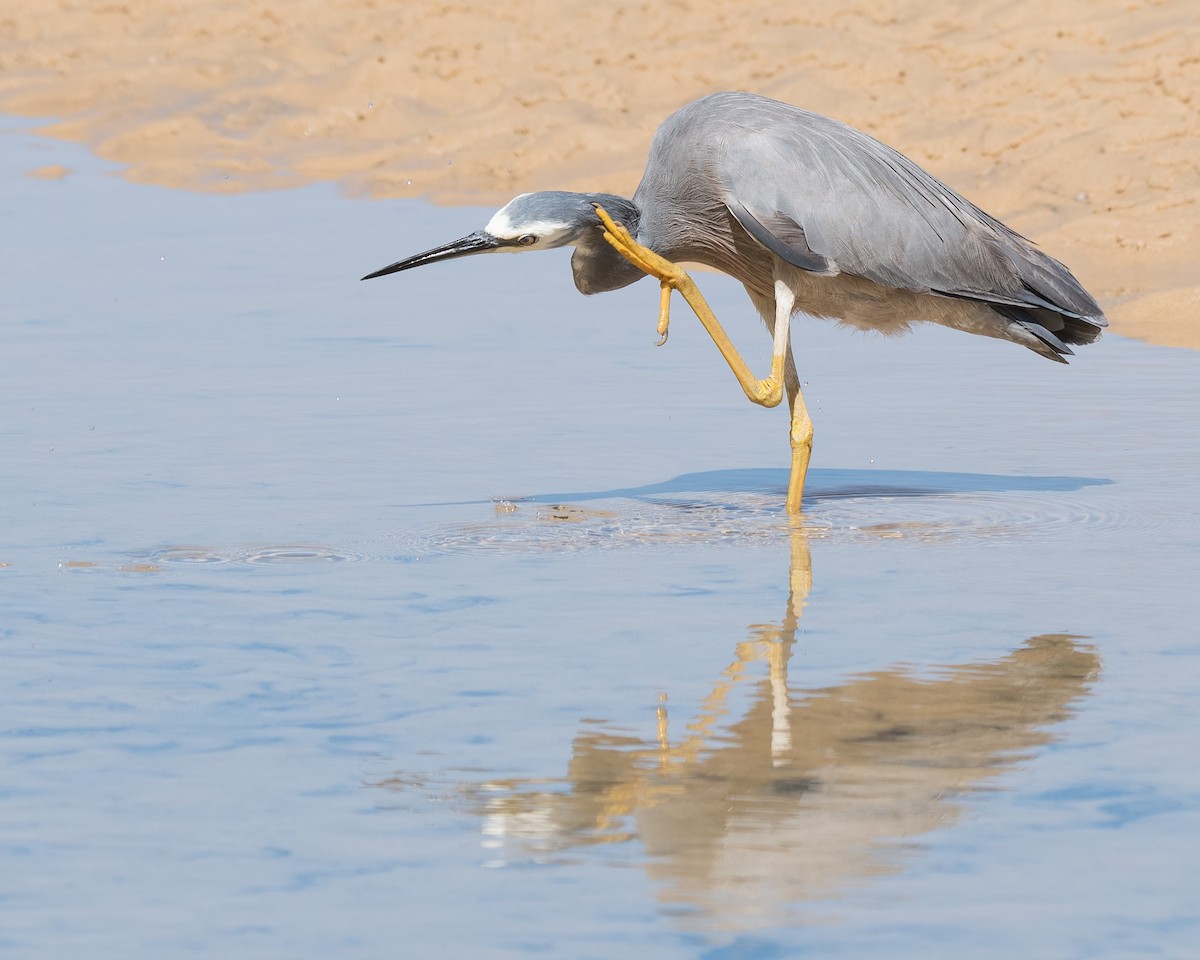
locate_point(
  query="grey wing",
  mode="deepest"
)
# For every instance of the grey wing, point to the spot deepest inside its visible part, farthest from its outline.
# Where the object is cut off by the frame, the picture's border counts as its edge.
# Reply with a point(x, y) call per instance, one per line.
point(831, 199)
point(780, 234)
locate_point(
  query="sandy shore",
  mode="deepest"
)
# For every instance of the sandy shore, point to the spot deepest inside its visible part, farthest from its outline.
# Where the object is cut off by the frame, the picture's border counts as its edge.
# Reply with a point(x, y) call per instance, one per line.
point(1076, 121)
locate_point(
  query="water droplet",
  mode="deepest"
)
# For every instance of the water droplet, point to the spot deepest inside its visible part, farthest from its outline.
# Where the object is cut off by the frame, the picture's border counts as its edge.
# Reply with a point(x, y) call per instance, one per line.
point(410, 183)
point(449, 163)
point(370, 104)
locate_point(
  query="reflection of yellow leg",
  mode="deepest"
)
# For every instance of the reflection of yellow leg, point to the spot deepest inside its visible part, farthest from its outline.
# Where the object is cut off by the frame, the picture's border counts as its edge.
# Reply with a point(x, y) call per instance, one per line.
point(664, 738)
point(800, 578)
point(768, 641)
point(768, 392)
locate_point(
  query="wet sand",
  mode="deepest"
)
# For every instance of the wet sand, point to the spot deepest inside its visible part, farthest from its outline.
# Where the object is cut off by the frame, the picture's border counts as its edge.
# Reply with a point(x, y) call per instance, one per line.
point(1075, 121)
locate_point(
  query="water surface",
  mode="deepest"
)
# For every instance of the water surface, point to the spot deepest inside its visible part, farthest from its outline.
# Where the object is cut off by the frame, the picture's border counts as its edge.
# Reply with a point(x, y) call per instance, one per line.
point(445, 616)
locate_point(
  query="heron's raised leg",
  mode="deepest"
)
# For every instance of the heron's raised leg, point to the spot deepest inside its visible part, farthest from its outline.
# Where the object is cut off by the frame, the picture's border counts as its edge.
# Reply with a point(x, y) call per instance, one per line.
point(767, 392)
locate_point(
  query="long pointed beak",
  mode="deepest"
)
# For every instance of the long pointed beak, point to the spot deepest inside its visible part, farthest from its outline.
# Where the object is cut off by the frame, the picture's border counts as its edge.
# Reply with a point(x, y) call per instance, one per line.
point(477, 242)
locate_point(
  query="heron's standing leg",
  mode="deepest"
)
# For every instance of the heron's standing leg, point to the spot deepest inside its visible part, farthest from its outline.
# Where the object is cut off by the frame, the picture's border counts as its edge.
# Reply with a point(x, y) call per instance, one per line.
point(767, 392)
point(801, 434)
point(802, 428)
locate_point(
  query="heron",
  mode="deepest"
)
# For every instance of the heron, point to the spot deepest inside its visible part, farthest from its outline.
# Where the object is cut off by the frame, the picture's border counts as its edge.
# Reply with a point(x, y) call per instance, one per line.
point(812, 216)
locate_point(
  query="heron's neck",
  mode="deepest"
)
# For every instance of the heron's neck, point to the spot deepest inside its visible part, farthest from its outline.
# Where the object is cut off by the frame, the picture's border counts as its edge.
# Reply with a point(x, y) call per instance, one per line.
point(596, 265)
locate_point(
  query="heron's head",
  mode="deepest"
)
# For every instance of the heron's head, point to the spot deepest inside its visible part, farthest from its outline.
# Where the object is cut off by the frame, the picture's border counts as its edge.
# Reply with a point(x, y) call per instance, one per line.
point(532, 221)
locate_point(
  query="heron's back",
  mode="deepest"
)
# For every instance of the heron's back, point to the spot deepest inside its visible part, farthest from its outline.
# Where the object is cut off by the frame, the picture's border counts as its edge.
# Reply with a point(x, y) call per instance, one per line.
point(847, 208)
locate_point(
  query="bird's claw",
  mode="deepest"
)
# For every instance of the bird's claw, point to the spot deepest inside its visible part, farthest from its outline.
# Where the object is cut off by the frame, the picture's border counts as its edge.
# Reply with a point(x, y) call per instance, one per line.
point(664, 314)
point(668, 274)
point(641, 257)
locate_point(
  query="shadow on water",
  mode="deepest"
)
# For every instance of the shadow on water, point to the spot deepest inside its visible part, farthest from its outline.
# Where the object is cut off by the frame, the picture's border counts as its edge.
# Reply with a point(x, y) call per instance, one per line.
point(776, 796)
point(832, 484)
point(746, 505)
point(731, 505)
point(823, 485)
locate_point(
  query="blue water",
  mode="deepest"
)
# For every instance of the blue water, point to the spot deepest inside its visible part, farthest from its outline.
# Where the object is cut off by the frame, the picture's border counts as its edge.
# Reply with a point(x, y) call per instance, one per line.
point(443, 615)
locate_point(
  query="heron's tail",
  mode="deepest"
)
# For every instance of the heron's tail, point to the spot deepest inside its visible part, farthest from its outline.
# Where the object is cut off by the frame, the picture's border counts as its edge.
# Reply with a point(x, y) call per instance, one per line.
point(1048, 332)
point(1051, 305)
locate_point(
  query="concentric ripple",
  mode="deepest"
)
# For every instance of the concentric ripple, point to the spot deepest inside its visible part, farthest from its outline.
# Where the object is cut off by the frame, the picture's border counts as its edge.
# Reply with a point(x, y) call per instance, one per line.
point(853, 514)
point(531, 527)
point(284, 554)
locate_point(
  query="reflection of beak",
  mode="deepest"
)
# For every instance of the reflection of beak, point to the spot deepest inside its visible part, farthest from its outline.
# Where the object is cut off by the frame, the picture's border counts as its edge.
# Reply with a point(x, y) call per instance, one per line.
point(478, 242)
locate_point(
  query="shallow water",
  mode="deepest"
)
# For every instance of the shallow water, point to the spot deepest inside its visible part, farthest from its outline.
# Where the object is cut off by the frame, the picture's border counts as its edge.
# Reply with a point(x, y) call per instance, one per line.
point(443, 615)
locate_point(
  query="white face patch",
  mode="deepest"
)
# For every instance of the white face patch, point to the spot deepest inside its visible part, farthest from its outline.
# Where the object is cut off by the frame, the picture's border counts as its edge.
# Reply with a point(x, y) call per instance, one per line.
point(502, 227)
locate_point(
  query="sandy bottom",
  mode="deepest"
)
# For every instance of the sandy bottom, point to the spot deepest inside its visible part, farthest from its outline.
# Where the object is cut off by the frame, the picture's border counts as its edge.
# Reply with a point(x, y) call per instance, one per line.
point(1074, 120)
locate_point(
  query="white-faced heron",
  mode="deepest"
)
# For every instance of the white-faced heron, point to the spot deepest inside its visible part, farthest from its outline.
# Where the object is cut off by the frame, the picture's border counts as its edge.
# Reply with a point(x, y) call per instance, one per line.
point(811, 216)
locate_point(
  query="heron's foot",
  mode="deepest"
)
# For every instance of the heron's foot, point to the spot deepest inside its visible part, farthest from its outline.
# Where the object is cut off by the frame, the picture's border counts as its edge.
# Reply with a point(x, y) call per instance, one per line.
point(670, 275)
point(641, 257)
point(664, 314)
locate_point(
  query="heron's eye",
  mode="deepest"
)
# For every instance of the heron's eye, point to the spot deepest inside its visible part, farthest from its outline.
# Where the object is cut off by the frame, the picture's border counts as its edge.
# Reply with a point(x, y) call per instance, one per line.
point(527, 239)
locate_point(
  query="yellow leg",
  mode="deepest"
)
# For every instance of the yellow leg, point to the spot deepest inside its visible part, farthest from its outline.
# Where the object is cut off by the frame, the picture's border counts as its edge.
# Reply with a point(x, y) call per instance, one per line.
point(767, 392)
point(664, 314)
point(801, 436)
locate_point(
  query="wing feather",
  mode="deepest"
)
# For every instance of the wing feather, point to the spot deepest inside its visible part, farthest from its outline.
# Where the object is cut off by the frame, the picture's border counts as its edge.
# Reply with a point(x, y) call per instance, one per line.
point(830, 198)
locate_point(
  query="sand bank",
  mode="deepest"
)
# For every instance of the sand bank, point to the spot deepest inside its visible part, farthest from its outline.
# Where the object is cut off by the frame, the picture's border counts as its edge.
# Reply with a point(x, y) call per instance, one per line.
point(1076, 121)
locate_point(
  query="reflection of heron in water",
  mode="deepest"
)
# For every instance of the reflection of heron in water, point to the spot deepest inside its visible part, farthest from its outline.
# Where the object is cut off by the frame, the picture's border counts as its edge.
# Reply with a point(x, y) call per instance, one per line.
point(795, 800)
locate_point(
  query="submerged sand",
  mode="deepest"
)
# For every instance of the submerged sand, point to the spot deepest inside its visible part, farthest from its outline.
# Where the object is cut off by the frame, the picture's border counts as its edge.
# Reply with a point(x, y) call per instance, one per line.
point(1076, 121)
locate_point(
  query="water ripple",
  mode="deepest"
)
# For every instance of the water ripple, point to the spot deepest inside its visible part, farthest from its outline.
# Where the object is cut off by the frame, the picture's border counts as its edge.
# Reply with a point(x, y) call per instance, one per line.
point(282, 554)
point(531, 527)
